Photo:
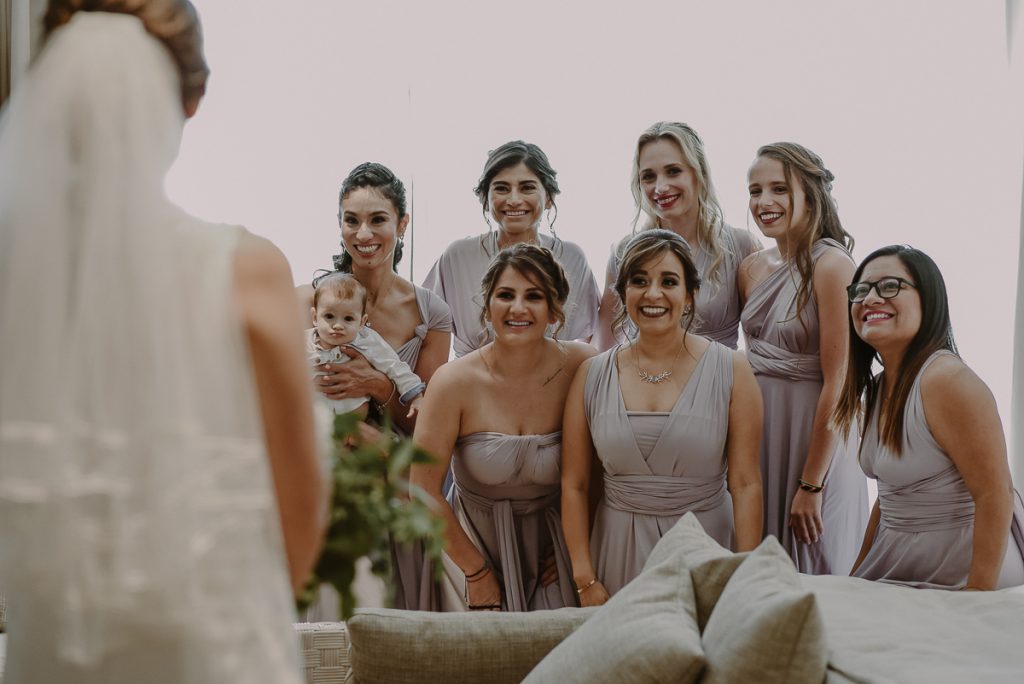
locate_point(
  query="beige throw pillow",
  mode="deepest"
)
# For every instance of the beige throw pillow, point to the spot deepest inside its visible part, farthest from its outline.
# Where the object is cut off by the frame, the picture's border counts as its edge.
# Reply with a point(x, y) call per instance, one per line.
point(399, 646)
point(766, 627)
point(711, 565)
point(647, 632)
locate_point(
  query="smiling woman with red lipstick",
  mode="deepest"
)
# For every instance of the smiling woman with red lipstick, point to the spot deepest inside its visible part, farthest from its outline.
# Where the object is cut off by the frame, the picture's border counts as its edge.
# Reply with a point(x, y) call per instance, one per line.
point(796, 326)
point(495, 415)
point(517, 190)
point(672, 189)
point(412, 319)
point(665, 424)
point(947, 516)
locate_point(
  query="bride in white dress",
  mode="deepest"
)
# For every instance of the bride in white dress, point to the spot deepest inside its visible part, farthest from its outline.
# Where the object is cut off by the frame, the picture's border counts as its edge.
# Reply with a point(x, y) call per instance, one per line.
point(160, 498)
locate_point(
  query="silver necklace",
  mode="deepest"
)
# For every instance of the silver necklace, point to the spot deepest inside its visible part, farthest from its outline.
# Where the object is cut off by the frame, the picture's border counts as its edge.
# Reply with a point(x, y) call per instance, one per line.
point(657, 378)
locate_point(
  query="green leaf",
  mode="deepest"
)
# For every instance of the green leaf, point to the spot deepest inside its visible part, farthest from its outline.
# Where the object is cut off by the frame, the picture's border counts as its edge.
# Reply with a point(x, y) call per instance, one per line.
point(373, 504)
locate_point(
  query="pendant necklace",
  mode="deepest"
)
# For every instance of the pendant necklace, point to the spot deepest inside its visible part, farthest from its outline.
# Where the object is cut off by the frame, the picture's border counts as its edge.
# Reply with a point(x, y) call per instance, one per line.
point(657, 378)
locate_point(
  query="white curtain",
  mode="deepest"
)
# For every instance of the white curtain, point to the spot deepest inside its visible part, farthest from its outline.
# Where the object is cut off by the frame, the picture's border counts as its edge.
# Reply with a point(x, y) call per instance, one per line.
point(1015, 47)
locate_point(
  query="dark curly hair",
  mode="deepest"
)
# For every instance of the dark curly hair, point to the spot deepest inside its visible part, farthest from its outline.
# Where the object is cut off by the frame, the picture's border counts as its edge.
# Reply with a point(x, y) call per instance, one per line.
point(384, 181)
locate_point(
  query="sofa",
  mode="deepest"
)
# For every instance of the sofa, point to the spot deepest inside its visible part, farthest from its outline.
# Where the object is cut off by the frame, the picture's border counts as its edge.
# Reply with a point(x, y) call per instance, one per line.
point(697, 613)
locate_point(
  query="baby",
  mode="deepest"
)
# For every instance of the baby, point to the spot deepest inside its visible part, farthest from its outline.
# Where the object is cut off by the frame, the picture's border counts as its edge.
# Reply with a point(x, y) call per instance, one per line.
point(339, 317)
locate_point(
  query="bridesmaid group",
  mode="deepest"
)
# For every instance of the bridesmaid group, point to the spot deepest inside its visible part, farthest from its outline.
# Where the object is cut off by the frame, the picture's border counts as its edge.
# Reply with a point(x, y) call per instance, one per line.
point(575, 427)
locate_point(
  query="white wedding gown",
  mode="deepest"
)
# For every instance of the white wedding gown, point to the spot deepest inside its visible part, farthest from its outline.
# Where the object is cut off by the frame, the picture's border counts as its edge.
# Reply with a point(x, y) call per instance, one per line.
point(139, 535)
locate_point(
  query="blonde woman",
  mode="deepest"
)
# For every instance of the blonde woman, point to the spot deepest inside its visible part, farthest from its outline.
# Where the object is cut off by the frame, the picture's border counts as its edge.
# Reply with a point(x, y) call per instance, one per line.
point(672, 190)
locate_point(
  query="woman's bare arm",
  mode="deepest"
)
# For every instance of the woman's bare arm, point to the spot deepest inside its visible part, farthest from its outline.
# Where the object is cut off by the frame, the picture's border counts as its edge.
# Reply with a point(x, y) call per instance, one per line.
point(437, 429)
point(577, 458)
point(266, 301)
point(963, 417)
point(742, 448)
point(832, 273)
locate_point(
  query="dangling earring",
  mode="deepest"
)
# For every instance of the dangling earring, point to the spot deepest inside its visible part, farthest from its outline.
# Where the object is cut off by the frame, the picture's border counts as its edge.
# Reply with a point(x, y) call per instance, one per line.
point(401, 241)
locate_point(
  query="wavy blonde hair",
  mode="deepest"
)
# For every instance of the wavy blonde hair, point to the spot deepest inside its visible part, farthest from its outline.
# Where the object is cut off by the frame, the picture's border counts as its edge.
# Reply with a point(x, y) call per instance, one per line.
point(710, 223)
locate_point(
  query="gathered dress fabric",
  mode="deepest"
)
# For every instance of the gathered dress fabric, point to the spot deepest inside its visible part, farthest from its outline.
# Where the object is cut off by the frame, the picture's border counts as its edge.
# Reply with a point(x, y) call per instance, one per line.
point(409, 582)
point(925, 533)
point(658, 466)
point(140, 539)
point(456, 278)
point(717, 302)
point(506, 496)
point(783, 349)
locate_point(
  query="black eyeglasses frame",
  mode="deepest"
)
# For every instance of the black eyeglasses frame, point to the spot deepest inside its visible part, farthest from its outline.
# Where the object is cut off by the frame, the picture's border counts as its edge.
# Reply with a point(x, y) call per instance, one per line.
point(851, 289)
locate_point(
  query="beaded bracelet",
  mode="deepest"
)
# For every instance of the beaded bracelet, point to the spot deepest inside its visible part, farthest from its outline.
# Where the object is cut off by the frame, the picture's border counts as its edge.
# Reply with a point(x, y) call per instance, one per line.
point(810, 486)
point(580, 590)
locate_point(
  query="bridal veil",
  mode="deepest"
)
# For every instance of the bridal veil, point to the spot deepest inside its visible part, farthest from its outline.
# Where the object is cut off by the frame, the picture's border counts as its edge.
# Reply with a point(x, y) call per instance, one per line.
point(139, 539)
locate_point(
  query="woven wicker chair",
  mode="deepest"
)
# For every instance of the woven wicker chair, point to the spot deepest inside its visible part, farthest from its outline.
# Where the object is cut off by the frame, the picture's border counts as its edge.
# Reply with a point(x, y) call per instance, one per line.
point(324, 648)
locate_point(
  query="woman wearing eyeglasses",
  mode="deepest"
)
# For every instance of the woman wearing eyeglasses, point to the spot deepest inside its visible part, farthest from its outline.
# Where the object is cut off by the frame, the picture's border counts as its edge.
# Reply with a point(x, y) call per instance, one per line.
point(795, 321)
point(945, 516)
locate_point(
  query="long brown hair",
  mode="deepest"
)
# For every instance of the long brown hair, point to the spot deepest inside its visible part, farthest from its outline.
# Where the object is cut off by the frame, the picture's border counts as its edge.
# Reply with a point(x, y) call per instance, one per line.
point(822, 213)
point(935, 333)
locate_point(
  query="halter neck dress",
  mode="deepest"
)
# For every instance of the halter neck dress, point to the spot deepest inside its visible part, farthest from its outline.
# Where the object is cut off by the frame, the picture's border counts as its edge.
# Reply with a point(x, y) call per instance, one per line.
point(783, 350)
point(658, 466)
point(506, 496)
point(926, 530)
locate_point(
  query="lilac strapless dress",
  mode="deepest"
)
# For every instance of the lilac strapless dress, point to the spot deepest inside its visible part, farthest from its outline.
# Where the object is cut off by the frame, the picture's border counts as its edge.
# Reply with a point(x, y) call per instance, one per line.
point(506, 496)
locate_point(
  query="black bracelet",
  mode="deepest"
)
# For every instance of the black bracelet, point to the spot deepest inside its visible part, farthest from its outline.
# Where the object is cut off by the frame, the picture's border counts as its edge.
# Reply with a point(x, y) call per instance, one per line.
point(810, 486)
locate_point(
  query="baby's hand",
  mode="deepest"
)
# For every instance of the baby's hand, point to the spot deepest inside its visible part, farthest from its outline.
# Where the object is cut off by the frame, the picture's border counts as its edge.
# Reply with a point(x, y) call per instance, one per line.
point(414, 406)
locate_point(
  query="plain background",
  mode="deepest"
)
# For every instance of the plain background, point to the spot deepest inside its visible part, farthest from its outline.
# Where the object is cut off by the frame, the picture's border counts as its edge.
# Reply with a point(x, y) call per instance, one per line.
point(911, 104)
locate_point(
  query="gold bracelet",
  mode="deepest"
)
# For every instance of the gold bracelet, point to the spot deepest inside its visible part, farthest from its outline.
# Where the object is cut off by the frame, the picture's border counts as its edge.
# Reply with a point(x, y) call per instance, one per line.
point(383, 404)
point(394, 388)
point(580, 590)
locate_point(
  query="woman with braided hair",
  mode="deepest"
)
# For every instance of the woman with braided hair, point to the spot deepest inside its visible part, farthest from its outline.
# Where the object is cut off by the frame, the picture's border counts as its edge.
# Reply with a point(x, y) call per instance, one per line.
point(794, 317)
point(161, 501)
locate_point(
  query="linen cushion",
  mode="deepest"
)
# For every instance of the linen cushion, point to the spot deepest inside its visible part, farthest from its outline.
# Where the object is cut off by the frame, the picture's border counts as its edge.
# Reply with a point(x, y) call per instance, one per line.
point(647, 632)
point(398, 646)
point(711, 565)
point(766, 627)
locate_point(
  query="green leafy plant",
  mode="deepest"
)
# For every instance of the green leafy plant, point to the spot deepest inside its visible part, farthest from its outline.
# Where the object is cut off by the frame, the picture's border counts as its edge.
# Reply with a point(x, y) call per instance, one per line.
point(372, 505)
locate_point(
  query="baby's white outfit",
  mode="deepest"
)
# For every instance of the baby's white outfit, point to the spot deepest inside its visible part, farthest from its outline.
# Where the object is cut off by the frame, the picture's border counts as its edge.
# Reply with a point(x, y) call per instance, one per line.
point(380, 355)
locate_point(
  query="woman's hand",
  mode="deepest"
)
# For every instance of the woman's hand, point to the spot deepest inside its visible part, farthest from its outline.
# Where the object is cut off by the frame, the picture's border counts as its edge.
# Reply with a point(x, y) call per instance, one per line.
point(483, 592)
point(548, 569)
point(356, 378)
point(805, 516)
point(594, 595)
